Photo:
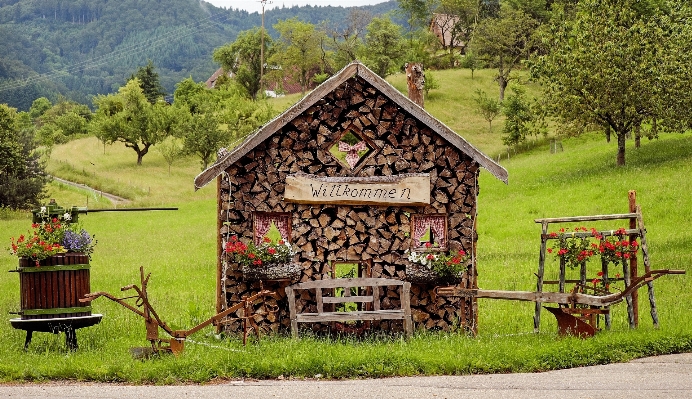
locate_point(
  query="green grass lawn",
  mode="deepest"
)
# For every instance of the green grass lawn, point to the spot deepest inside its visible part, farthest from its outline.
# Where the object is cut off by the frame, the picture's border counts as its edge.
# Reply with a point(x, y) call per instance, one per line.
point(178, 248)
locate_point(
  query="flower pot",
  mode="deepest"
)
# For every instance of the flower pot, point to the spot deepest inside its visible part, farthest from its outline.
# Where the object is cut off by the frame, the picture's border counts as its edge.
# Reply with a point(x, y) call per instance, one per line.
point(420, 274)
point(272, 271)
point(53, 288)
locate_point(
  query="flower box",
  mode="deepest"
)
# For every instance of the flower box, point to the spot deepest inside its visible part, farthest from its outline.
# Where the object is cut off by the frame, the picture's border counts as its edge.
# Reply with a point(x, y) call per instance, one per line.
point(421, 274)
point(271, 271)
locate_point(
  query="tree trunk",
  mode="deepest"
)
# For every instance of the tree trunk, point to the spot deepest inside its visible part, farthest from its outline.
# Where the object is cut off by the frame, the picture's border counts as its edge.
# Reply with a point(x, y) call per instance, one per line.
point(607, 133)
point(621, 148)
point(503, 85)
point(415, 80)
point(141, 152)
point(638, 136)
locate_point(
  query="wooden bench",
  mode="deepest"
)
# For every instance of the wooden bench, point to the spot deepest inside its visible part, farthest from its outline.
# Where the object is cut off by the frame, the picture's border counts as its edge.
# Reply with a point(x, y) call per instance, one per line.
point(372, 286)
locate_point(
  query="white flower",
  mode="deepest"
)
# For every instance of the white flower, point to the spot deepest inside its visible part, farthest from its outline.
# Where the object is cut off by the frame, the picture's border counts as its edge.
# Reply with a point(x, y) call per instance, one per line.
point(67, 216)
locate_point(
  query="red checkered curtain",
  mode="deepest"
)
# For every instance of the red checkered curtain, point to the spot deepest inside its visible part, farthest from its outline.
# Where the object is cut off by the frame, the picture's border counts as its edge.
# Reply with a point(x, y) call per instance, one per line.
point(420, 226)
point(437, 226)
point(282, 223)
point(262, 224)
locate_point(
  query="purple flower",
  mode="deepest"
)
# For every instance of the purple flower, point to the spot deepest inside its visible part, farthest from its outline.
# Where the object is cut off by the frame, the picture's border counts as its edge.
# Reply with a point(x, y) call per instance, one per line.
point(78, 242)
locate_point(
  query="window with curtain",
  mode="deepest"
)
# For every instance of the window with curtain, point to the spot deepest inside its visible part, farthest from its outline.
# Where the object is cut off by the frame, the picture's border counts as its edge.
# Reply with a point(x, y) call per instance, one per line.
point(263, 222)
point(431, 228)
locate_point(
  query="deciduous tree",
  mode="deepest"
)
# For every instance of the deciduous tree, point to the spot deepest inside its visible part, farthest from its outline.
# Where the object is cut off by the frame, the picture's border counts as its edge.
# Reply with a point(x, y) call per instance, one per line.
point(242, 57)
point(504, 42)
point(298, 50)
point(616, 64)
point(129, 118)
point(22, 175)
point(383, 48)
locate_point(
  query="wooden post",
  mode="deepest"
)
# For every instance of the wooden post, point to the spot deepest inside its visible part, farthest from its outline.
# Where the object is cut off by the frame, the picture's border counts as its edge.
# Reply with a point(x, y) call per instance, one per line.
point(415, 80)
point(647, 266)
point(539, 275)
point(219, 252)
point(632, 196)
point(606, 282)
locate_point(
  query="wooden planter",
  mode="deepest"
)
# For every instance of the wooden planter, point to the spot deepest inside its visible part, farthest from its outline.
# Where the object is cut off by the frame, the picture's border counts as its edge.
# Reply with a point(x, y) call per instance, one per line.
point(419, 274)
point(53, 289)
point(277, 271)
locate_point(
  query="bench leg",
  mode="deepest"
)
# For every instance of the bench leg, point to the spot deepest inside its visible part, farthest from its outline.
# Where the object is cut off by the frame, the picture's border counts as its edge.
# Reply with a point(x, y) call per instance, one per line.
point(408, 327)
point(294, 328)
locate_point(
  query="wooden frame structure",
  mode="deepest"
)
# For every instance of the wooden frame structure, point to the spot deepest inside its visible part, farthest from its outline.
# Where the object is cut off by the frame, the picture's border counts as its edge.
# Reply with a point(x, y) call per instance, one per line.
point(635, 231)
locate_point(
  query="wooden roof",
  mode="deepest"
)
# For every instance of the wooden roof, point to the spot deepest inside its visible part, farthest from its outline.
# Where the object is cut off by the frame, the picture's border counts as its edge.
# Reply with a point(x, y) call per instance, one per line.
point(353, 69)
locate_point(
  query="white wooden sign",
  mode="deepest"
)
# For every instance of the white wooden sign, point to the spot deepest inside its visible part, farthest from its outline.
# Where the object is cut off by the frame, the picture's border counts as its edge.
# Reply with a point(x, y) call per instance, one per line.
point(405, 189)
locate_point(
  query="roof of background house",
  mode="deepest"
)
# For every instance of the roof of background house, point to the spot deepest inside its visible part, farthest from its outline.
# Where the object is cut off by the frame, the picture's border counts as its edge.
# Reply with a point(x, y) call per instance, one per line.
point(448, 21)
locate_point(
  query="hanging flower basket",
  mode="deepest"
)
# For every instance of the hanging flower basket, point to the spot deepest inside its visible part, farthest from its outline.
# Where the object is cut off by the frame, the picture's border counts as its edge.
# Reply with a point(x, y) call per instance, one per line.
point(271, 271)
point(421, 274)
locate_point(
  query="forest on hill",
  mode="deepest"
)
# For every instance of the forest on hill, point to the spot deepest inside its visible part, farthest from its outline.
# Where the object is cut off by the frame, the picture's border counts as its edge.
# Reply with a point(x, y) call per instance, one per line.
point(77, 49)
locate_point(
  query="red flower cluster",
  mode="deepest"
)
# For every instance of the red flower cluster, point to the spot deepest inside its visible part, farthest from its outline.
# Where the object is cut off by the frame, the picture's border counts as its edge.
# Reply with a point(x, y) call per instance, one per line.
point(257, 255)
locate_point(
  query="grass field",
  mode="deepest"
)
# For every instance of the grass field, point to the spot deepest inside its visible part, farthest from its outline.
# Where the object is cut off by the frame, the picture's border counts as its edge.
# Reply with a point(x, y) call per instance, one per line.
point(178, 247)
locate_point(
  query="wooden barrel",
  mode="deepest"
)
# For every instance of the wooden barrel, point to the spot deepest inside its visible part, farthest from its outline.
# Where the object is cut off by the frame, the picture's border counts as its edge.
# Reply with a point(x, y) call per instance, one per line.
point(53, 288)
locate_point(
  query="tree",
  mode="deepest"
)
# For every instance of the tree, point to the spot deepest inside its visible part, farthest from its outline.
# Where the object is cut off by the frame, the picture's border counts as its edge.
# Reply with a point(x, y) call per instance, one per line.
point(346, 41)
point(472, 62)
point(417, 14)
point(22, 175)
point(383, 50)
point(615, 66)
point(489, 107)
point(242, 57)
point(211, 119)
point(149, 82)
point(61, 122)
point(39, 107)
point(129, 118)
point(170, 150)
point(505, 42)
point(298, 50)
point(517, 118)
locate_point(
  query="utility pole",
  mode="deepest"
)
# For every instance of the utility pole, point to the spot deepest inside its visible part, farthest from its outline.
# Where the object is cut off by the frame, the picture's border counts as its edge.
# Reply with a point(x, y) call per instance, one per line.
point(263, 2)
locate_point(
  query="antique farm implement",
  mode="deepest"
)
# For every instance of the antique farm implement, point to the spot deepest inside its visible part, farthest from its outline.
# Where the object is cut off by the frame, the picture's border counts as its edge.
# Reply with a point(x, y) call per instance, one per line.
point(49, 294)
point(567, 322)
point(152, 321)
point(579, 308)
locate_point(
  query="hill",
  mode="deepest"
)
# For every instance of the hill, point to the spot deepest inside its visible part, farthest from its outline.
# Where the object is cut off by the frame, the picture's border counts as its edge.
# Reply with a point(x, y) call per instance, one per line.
point(81, 48)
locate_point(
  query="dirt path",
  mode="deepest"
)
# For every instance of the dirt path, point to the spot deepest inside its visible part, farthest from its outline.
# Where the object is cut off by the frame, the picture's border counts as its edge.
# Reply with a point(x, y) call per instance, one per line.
point(113, 198)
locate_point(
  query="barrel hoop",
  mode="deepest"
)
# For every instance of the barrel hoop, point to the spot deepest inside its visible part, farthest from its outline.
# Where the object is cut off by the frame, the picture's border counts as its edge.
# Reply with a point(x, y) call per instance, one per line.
point(36, 312)
point(53, 268)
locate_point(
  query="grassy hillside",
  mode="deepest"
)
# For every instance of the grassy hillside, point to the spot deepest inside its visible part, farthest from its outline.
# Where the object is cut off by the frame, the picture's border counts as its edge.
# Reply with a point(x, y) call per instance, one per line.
point(179, 249)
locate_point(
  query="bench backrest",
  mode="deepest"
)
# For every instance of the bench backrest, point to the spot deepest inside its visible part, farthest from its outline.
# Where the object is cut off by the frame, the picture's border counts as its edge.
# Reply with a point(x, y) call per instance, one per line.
point(346, 284)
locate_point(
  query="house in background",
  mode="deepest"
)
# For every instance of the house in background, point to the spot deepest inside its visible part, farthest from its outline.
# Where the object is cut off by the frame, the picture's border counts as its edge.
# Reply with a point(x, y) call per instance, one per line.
point(356, 174)
point(442, 25)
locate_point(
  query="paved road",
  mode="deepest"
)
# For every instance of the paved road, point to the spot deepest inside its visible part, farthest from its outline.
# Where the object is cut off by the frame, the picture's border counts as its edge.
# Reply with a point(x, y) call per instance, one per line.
point(667, 376)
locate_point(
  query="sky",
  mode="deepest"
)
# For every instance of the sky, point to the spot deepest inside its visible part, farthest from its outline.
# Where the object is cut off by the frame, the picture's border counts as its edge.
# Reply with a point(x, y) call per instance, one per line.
point(256, 5)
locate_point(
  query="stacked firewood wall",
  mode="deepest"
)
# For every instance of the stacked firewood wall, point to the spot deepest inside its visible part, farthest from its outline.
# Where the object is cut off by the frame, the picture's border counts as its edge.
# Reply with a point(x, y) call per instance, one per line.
point(322, 233)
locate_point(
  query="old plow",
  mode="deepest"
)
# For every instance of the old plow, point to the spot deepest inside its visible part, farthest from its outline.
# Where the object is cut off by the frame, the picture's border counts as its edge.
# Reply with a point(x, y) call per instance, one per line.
point(566, 321)
point(176, 342)
point(580, 306)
